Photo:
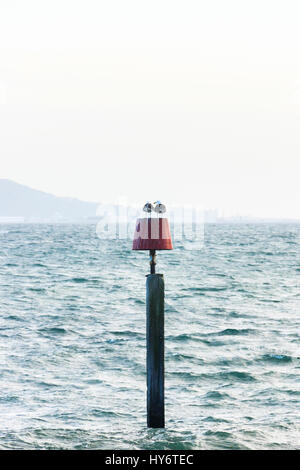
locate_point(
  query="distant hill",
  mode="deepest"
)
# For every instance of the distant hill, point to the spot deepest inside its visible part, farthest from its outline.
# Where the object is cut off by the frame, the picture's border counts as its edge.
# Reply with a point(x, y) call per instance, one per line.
point(17, 200)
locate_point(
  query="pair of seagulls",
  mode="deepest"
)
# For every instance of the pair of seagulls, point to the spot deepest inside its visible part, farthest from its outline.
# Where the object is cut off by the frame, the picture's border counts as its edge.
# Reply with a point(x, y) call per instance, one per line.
point(159, 207)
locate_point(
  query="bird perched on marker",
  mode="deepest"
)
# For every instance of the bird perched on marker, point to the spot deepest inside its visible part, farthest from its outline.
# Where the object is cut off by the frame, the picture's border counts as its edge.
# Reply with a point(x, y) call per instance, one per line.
point(148, 207)
point(159, 207)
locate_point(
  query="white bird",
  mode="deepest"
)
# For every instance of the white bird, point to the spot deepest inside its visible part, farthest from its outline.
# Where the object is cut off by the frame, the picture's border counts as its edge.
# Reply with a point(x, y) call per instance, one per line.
point(159, 208)
point(148, 207)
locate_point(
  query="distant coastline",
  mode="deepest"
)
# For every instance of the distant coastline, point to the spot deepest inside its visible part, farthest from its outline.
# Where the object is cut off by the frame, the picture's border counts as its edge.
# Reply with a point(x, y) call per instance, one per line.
point(22, 204)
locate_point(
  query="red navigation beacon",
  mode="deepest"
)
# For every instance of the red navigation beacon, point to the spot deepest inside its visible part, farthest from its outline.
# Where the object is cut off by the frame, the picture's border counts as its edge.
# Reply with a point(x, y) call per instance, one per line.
point(153, 232)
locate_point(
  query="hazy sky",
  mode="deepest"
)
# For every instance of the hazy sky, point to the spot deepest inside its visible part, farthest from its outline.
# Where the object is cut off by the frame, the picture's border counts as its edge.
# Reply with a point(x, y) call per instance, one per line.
point(193, 101)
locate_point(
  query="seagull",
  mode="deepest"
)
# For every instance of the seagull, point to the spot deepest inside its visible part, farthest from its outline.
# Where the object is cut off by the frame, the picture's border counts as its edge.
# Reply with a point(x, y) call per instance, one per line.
point(148, 207)
point(159, 208)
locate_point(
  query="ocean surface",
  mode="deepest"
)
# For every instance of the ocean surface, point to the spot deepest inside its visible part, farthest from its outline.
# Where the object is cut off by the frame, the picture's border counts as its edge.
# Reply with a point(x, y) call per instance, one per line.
point(72, 340)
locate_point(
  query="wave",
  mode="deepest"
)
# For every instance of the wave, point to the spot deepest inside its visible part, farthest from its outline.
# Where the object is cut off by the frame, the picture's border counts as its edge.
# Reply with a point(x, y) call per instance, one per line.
point(205, 289)
point(235, 332)
point(276, 358)
point(54, 330)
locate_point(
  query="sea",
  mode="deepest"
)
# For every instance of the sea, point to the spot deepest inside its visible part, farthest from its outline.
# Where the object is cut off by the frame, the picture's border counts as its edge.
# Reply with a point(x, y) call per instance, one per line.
point(72, 339)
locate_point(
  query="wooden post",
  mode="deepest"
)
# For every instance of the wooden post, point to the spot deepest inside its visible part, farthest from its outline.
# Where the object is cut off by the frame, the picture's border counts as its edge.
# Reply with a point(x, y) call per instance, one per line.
point(155, 291)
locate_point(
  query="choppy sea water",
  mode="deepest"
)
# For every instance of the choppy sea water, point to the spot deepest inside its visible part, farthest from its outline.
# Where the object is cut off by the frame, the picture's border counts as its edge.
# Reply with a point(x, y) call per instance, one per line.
point(72, 340)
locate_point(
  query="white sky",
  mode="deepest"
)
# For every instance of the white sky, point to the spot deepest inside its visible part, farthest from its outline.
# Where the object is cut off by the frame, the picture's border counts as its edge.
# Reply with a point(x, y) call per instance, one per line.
point(192, 101)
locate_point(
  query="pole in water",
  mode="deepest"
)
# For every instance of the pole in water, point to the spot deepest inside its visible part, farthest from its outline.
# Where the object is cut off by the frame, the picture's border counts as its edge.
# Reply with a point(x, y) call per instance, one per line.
point(154, 234)
point(155, 291)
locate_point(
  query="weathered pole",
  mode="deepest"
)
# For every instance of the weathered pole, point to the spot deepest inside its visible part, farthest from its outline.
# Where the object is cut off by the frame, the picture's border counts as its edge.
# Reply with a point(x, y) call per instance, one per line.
point(155, 297)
